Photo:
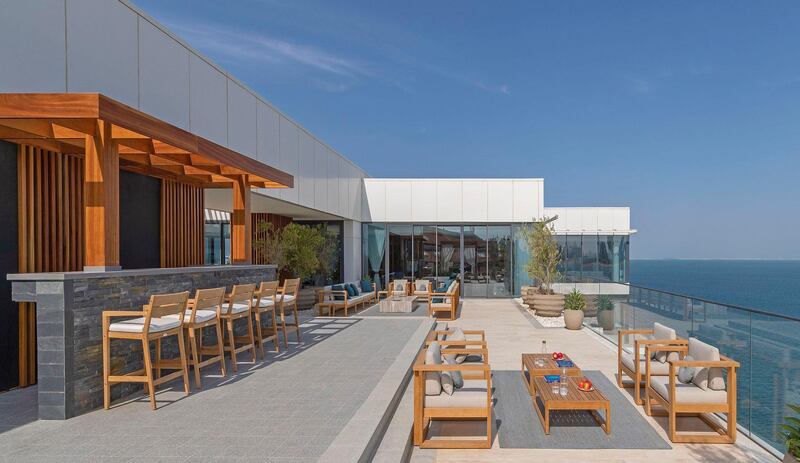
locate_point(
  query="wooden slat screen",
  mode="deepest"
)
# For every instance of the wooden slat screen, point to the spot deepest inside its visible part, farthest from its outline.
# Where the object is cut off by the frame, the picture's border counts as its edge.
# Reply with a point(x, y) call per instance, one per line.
point(277, 221)
point(50, 205)
point(182, 223)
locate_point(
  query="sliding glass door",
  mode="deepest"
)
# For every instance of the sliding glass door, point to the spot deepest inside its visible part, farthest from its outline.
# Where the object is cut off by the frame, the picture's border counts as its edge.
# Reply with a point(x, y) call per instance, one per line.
point(498, 251)
point(475, 265)
point(448, 251)
point(424, 255)
point(400, 237)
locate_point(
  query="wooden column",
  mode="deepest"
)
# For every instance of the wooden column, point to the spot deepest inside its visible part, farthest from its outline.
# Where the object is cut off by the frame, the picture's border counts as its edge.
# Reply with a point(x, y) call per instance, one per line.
point(101, 200)
point(241, 232)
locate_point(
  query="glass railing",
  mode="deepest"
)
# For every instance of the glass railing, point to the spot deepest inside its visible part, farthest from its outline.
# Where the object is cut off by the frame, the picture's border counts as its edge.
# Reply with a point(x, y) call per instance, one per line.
point(766, 345)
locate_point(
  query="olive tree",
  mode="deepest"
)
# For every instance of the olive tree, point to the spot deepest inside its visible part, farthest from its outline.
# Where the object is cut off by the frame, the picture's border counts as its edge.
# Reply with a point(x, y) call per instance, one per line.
point(545, 256)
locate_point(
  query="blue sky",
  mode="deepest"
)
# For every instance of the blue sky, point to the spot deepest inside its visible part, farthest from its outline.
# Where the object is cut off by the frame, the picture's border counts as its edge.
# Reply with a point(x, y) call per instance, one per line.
point(688, 112)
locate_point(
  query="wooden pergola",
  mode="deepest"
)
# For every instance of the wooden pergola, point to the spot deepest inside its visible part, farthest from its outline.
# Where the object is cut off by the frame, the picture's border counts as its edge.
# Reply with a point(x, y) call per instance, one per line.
point(111, 136)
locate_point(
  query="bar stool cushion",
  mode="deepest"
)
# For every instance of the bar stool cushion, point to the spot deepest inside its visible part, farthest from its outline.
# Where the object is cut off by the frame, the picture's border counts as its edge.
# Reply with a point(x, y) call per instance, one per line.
point(266, 302)
point(238, 307)
point(290, 298)
point(136, 325)
point(200, 317)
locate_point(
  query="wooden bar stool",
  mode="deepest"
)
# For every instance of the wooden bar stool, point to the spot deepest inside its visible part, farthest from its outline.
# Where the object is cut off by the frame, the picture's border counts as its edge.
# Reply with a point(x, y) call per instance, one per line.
point(161, 317)
point(287, 298)
point(203, 312)
point(238, 306)
point(264, 307)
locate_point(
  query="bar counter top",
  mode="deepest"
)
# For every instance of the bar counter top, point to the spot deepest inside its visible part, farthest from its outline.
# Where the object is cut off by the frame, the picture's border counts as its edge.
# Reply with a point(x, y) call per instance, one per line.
point(62, 276)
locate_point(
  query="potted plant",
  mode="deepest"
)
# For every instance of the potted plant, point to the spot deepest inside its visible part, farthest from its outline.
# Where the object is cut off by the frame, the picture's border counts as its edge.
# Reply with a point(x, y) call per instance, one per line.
point(791, 436)
point(574, 304)
point(605, 312)
point(543, 267)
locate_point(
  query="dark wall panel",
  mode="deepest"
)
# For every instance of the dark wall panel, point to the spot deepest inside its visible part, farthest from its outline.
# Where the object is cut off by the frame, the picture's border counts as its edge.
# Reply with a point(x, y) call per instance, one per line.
point(9, 263)
point(139, 221)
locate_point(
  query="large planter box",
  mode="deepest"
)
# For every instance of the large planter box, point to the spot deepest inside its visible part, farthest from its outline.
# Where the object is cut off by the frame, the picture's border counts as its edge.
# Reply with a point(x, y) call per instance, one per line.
point(548, 305)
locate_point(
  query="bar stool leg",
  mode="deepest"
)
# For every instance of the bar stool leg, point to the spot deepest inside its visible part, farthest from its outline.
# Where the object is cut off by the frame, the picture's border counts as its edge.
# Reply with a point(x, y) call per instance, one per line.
point(182, 352)
point(221, 347)
point(251, 336)
point(232, 345)
point(275, 339)
point(106, 368)
point(297, 323)
point(195, 357)
point(148, 370)
point(158, 358)
point(259, 335)
point(283, 329)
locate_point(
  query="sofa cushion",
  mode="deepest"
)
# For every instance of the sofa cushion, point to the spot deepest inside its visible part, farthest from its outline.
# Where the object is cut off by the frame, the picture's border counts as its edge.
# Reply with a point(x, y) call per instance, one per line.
point(366, 286)
point(338, 297)
point(663, 332)
point(706, 378)
point(351, 290)
point(136, 325)
point(687, 393)
point(433, 356)
point(656, 368)
point(472, 395)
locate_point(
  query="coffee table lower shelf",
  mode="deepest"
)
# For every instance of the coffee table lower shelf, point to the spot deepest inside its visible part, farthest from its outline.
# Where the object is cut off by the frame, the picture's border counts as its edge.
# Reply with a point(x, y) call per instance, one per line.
point(593, 402)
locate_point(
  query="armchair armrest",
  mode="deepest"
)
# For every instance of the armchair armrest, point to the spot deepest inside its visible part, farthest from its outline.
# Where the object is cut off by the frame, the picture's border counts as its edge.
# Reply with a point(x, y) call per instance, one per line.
point(457, 343)
point(706, 364)
point(624, 332)
point(485, 367)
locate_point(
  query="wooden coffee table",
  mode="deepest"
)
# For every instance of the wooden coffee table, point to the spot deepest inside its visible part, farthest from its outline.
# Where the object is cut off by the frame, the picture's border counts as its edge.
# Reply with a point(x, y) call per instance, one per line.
point(530, 370)
point(575, 399)
point(398, 304)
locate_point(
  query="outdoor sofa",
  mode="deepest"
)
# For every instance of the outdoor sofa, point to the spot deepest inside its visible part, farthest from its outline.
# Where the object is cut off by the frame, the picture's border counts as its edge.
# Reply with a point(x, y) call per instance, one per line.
point(337, 297)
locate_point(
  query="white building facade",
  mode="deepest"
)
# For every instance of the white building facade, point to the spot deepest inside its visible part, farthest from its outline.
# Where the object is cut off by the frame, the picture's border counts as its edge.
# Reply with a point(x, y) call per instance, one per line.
point(414, 228)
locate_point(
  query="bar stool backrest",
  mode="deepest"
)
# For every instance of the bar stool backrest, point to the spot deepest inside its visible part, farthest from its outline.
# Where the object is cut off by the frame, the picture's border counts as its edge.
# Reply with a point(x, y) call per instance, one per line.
point(267, 289)
point(208, 299)
point(241, 294)
point(291, 286)
point(161, 305)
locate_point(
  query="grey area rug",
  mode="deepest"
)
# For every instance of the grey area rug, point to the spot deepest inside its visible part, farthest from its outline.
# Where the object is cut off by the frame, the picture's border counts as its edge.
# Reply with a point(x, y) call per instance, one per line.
point(519, 427)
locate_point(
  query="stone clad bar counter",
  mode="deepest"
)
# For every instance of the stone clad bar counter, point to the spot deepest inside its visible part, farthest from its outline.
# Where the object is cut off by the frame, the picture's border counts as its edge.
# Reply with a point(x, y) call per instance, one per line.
point(69, 325)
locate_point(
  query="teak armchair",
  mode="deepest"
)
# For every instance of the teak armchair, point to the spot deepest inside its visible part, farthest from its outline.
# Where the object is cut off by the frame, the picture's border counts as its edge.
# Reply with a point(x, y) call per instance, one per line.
point(264, 307)
point(154, 324)
point(287, 298)
point(445, 302)
point(238, 306)
point(202, 312)
point(688, 399)
point(633, 366)
point(471, 402)
point(399, 286)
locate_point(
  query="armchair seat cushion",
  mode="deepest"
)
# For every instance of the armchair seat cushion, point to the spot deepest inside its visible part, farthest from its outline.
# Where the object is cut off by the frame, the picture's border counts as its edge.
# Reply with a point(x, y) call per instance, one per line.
point(687, 393)
point(471, 395)
point(200, 317)
point(656, 368)
point(136, 325)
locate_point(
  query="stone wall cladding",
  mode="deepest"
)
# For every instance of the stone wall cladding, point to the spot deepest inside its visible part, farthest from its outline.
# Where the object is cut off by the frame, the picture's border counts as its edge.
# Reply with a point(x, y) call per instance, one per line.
point(69, 324)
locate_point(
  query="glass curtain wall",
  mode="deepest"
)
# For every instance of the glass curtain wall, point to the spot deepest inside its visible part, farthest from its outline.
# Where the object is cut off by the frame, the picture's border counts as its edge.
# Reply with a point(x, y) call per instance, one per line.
point(448, 251)
point(400, 238)
point(498, 251)
point(424, 254)
point(373, 245)
point(475, 265)
point(217, 243)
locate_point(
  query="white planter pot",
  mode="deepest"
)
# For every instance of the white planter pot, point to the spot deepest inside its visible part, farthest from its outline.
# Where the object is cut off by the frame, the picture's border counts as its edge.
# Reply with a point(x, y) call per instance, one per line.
point(573, 319)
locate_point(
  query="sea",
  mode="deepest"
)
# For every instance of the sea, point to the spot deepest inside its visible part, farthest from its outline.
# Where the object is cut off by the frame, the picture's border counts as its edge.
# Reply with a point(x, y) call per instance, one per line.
point(767, 285)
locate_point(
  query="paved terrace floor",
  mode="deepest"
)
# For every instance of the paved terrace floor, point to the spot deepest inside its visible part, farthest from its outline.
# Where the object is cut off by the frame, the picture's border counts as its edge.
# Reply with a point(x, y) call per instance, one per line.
point(510, 332)
point(338, 381)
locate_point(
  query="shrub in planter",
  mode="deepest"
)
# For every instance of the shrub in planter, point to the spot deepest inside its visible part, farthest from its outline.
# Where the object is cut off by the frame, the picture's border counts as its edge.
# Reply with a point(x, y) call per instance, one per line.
point(791, 435)
point(605, 312)
point(574, 304)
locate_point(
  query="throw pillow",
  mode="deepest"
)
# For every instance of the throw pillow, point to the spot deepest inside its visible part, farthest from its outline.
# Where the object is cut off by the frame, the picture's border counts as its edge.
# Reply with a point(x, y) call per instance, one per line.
point(338, 297)
point(366, 286)
point(433, 382)
point(351, 291)
point(457, 335)
point(662, 332)
point(703, 377)
point(685, 374)
point(439, 300)
point(451, 379)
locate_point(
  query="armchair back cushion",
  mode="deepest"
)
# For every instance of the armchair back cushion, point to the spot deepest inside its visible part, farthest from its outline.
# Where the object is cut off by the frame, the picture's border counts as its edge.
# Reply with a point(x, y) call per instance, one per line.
point(706, 378)
point(421, 285)
point(663, 332)
point(433, 382)
point(457, 335)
